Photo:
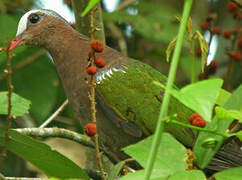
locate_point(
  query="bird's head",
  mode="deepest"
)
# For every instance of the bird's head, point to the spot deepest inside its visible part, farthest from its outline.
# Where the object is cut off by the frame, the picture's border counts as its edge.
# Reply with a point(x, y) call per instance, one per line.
point(36, 26)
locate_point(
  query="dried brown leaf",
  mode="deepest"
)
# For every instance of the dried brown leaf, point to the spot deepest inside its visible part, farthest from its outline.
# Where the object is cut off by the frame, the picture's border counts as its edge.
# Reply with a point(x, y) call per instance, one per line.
point(170, 48)
point(204, 48)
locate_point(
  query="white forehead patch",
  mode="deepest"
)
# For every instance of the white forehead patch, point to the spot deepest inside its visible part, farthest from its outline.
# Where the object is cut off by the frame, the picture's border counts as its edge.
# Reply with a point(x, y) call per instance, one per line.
point(22, 25)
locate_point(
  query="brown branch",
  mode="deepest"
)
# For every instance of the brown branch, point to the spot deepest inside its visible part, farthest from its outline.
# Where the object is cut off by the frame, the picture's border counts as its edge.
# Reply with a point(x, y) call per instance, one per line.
point(92, 86)
point(10, 90)
point(24, 63)
point(124, 4)
point(53, 116)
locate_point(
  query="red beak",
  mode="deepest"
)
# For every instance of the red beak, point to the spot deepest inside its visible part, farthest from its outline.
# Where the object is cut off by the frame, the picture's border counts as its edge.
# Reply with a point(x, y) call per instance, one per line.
point(15, 42)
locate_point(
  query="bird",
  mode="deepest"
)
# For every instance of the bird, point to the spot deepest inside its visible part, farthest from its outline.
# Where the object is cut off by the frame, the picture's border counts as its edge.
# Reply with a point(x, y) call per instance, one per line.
point(128, 102)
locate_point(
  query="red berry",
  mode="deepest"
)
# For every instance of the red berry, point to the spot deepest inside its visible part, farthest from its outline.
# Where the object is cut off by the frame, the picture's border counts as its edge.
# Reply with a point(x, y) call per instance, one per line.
point(100, 62)
point(212, 68)
point(205, 25)
point(89, 54)
point(216, 30)
point(97, 46)
point(228, 33)
point(237, 56)
point(90, 129)
point(198, 51)
point(91, 70)
point(240, 43)
point(197, 120)
point(231, 6)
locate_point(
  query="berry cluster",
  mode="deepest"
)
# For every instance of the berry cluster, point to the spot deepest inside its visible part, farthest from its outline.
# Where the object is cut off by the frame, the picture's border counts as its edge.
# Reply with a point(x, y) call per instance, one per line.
point(231, 34)
point(99, 62)
point(197, 120)
point(90, 129)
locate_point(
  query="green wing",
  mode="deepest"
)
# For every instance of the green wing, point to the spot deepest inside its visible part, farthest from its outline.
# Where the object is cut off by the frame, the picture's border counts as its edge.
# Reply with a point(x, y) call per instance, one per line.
point(128, 91)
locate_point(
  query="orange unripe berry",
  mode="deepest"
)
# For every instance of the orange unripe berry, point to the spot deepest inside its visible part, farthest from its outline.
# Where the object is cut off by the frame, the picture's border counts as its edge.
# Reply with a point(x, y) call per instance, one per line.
point(99, 62)
point(211, 17)
point(90, 129)
point(89, 54)
point(91, 70)
point(216, 30)
point(97, 46)
point(205, 25)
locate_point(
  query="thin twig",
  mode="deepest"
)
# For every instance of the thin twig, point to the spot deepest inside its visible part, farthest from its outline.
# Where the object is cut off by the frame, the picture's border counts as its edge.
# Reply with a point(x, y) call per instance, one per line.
point(57, 132)
point(124, 4)
point(92, 86)
point(62, 133)
point(10, 90)
point(24, 63)
point(53, 116)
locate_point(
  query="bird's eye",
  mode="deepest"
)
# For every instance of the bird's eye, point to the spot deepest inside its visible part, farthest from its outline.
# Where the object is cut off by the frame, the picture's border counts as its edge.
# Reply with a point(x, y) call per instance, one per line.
point(34, 18)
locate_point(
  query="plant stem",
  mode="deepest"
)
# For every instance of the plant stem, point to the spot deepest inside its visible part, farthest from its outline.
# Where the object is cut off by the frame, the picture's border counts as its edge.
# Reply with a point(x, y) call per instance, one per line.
point(192, 54)
point(92, 86)
point(164, 107)
point(197, 128)
point(53, 116)
point(10, 90)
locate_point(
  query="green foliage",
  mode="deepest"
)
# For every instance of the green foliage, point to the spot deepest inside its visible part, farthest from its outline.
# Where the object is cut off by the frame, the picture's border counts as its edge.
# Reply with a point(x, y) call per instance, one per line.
point(203, 154)
point(146, 23)
point(20, 106)
point(170, 156)
point(200, 96)
point(188, 175)
point(222, 113)
point(115, 170)
point(169, 162)
point(90, 5)
point(51, 162)
point(223, 97)
point(229, 174)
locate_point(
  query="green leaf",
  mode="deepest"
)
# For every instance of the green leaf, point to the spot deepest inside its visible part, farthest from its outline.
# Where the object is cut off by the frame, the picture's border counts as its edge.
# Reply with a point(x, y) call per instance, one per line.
point(188, 175)
point(157, 174)
point(222, 113)
point(200, 96)
point(203, 154)
point(90, 5)
point(51, 162)
point(223, 97)
point(115, 170)
point(20, 106)
point(239, 135)
point(170, 156)
point(229, 174)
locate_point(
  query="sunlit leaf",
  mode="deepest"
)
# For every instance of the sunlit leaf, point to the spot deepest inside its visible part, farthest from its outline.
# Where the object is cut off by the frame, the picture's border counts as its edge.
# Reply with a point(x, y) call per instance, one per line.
point(222, 113)
point(229, 174)
point(90, 5)
point(20, 105)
